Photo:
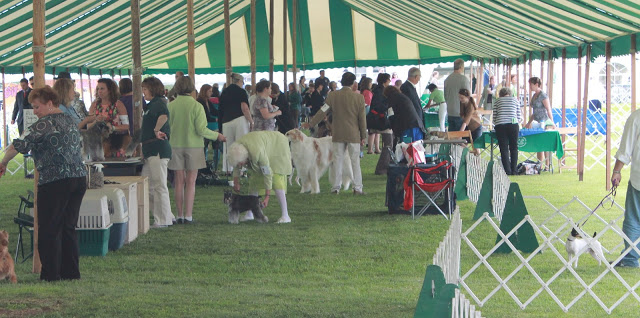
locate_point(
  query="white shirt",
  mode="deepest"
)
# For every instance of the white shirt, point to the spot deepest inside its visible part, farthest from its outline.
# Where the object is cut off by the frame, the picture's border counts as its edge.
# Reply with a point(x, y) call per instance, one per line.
point(628, 151)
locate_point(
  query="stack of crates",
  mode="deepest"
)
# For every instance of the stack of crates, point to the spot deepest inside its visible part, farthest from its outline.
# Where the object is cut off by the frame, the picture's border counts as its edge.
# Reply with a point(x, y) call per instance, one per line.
point(94, 224)
point(119, 218)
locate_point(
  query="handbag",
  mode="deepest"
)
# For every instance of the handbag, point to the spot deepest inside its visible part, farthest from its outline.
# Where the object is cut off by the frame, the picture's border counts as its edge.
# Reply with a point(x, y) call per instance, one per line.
point(377, 120)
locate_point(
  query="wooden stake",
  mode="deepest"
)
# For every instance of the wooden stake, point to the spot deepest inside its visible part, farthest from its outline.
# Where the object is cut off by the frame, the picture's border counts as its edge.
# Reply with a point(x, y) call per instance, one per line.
point(634, 84)
point(609, 130)
point(550, 64)
point(137, 66)
point(579, 117)
point(90, 89)
point(284, 43)
point(227, 42)
point(81, 83)
point(564, 86)
point(4, 112)
point(294, 41)
point(191, 42)
point(271, 29)
point(585, 106)
point(38, 77)
point(253, 44)
point(542, 67)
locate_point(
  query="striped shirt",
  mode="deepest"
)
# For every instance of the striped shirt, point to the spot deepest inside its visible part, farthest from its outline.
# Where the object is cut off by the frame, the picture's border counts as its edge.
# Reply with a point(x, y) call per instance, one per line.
point(505, 109)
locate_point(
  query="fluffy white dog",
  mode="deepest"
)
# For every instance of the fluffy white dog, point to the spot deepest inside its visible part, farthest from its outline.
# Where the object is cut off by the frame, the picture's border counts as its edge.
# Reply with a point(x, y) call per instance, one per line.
point(576, 245)
point(312, 157)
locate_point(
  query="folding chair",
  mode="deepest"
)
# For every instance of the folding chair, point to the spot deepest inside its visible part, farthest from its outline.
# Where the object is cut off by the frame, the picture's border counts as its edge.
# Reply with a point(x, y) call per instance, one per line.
point(441, 184)
point(24, 222)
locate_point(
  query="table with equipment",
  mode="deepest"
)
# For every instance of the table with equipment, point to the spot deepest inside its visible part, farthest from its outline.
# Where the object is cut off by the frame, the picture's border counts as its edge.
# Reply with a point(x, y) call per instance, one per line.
point(527, 142)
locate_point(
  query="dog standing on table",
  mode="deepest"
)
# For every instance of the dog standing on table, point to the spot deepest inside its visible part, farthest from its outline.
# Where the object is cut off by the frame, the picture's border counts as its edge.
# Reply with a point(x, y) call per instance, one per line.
point(312, 157)
point(576, 245)
point(7, 267)
point(239, 203)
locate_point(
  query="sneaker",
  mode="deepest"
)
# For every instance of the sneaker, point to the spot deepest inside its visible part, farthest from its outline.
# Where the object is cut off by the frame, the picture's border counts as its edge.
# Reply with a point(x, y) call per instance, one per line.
point(180, 221)
point(621, 264)
point(282, 220)
point(356, 192)
point(246, 217)
point(188, 222)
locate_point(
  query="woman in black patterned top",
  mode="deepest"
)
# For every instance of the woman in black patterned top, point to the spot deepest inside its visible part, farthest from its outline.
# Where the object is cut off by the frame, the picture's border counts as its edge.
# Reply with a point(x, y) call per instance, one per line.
point(56, 146)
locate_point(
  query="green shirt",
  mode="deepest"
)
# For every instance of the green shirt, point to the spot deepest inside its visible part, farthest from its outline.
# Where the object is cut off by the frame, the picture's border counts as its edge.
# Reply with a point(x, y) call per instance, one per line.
point(153, 110)
point(269, 154)
point(188, 123)
point(294, 100)
point(437, 96)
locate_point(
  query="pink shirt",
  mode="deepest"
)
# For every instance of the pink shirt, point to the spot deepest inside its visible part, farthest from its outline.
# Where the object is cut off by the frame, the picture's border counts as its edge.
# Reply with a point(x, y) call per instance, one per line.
point(367, 96)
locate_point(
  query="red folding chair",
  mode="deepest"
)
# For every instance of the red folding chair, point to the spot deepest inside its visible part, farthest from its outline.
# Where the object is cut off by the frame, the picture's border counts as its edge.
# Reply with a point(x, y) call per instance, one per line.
point(431, 190)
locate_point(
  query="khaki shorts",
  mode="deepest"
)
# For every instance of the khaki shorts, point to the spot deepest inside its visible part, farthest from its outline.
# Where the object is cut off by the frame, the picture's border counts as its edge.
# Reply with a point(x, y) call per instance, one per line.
point(187, 159)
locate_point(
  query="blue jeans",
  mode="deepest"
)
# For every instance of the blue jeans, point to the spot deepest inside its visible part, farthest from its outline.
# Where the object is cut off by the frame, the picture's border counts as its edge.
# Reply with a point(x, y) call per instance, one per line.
point(631, 225)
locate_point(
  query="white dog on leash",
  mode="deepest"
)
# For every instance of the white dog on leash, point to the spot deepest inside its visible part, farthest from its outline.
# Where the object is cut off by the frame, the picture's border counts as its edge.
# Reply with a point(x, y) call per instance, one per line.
point(312, 157)
point(576, 245)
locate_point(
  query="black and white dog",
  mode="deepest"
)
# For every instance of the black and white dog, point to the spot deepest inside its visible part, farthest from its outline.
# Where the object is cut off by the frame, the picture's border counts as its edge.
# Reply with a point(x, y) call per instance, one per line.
point(576, 245)
point(239, 203)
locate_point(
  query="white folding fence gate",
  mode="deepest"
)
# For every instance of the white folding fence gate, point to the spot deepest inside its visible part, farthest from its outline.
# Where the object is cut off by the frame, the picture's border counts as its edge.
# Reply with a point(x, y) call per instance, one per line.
point(551, 233)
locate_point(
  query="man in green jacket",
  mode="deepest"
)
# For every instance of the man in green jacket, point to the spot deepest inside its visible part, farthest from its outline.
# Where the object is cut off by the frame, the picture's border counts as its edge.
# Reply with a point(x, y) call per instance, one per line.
point(268, 157)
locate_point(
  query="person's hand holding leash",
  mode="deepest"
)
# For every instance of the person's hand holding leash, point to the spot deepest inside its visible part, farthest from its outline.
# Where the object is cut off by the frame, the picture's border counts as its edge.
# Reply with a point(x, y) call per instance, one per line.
point(615, 178)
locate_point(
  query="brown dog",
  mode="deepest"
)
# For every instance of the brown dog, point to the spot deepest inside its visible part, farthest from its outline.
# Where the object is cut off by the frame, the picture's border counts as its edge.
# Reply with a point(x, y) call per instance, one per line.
point(7, 267)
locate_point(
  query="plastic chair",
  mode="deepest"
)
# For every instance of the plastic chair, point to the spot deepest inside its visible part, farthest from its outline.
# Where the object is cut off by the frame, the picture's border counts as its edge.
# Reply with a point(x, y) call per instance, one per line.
point(24, 222)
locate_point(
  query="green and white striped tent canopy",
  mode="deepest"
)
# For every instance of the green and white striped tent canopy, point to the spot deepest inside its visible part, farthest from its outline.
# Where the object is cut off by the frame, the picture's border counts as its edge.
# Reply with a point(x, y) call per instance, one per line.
point(96, 35)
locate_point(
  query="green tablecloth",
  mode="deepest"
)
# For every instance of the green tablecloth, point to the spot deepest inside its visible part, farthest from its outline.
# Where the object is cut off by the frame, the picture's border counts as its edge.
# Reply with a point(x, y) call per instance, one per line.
point(431, 120)
point(546, 141)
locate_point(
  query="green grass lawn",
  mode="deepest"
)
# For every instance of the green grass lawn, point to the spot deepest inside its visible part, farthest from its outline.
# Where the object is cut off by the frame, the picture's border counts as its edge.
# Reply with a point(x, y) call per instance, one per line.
point(343, 256)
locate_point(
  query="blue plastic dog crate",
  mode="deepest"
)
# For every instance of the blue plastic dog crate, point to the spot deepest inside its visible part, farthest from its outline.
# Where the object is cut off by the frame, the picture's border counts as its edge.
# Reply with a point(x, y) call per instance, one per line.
point(93, 242)
point(119, 218)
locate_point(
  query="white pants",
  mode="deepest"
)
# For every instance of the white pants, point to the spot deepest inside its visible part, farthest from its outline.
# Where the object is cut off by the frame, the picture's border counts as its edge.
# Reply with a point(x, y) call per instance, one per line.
point(233, 130)
point(442, 115)
point(338, 156)
point(156, 170)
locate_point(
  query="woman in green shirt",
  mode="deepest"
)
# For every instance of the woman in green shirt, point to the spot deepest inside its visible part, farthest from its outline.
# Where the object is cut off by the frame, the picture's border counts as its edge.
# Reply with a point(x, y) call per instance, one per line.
point(437, 99)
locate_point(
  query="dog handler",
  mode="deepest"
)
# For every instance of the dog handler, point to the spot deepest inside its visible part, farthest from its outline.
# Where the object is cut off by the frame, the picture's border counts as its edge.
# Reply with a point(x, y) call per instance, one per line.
point(268, 156)
point(628, 153)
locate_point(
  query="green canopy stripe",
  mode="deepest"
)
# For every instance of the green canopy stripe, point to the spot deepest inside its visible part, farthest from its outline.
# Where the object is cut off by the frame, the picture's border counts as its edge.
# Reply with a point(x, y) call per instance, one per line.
point(341, 31)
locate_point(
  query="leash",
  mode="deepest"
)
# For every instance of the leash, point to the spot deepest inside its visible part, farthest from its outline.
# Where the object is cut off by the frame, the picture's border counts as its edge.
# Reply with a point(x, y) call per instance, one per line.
point(611, 194)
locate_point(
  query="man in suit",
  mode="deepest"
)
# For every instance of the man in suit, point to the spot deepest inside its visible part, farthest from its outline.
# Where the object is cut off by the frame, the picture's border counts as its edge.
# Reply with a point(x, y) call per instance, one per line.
point(410, 89)
point(325, 84)
point(349, 129)
point(22, 103)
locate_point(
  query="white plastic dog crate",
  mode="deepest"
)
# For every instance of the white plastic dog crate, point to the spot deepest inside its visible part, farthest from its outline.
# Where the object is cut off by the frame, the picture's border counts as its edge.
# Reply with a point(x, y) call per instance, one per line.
point(119, 218)
point(94, 211)
point(130, 190)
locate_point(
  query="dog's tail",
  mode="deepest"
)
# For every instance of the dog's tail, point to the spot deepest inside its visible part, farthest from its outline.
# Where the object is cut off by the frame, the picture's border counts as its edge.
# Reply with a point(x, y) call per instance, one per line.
point(135, 141)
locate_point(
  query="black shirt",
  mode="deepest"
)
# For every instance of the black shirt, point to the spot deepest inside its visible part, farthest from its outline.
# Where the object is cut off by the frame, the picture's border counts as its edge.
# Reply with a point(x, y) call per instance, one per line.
point(230, 101)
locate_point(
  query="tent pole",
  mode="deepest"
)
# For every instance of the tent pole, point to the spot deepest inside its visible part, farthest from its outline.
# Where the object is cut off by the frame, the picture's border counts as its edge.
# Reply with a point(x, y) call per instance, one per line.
point(585, 106)
point(100, 72)
point(227, 41)
point(530, 76)
point(253, 45)
point(81, 83)
point(23, 73)
point(284, 43)
point(191, 42)
point(633, 72)
point(542, 68)
point(137, 66)
point(294, 41)
point(550, 64)
point(480, 79)
point(53, 72)
point(564, 84)
point(4, 112)
point(271, 29)
point(120, 74)
point(38, 75)
point(579, 118)
point(517, 77)
point(90, 89)
point(608, 139)
point(525, 100)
